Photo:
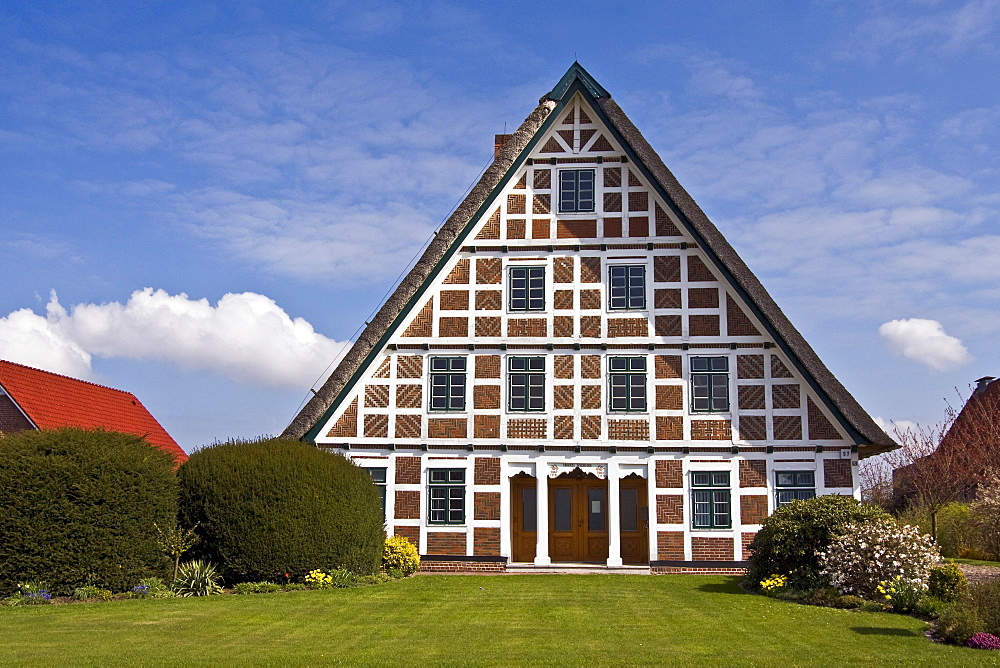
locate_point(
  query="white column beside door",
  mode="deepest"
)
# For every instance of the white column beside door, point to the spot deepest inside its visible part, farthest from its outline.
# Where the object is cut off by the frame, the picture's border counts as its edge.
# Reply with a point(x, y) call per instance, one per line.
point(542, 515)
point(614, 518)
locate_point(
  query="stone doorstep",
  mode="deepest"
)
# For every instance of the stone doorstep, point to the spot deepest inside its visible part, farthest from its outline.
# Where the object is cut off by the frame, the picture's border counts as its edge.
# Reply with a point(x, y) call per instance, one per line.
point(575, 569)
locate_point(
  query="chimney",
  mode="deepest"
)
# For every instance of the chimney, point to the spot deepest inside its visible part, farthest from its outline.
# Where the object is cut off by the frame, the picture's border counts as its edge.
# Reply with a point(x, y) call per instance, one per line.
point(982, 383)
point(499, 141)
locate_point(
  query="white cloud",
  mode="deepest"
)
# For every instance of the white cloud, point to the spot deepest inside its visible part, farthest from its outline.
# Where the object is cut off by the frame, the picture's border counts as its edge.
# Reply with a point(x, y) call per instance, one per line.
point(893, 427)
point(246, 337)
point(924, 341)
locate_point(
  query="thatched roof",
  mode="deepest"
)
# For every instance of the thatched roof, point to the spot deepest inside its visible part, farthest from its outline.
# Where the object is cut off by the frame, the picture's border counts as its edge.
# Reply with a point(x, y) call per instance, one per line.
point(852, 416)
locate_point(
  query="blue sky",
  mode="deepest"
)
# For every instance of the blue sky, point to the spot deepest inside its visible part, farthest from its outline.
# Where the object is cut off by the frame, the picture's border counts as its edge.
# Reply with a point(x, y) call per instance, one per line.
point(200, 203)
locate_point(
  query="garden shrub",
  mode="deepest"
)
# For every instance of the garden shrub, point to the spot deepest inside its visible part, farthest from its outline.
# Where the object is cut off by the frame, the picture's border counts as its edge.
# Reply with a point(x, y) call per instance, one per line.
point(975, 554)
point(957, 624)
point(956, 529)
point(985, 512)
point(880, 553)
point(256, 588)
point(985, 597)
point(86, 592)
point(947, 582)
point(197, 578)
point(789, 539)
point(279, 508)
point(849, 601)
point(400, 554)
point(78, 508)
point(983, 641)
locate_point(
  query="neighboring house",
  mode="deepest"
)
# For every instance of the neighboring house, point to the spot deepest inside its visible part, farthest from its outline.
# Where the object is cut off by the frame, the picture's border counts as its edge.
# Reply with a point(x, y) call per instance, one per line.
point(581, 369)
point(35, 399)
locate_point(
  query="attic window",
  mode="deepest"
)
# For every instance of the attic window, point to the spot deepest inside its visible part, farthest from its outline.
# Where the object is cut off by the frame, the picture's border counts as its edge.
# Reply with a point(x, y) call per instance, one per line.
point(576, 190)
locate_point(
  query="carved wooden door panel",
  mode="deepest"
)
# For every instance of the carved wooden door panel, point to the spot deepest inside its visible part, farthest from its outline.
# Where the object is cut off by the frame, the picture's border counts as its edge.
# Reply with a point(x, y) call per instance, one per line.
point(524, 516)
point(634, 515)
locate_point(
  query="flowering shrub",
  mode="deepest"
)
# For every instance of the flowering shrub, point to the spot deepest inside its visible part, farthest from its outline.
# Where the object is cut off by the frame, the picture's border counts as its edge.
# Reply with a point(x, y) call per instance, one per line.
point(400, 554)
point(948, 582)
point(774, 584)
point(866, 555)
point(319, 579)
point(150, 588)
point(34, 593)
point(901, 595)
point(983, 641)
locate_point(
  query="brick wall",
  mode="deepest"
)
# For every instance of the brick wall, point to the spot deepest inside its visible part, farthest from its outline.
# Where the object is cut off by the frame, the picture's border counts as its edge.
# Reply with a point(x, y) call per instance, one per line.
point(669, 473)
point(487, 471)
point(753, 473)
point(408, 470)
point(670, 545)
point(670, 508)
point(711, 430)
point(411, 533)
point(486, 505)
point(407, 504)
point(753, 508)
point(486, 426)
point(628, 430)
point(837, 473)
point(12, 420)
point(704, 548)
point(445, 542)
point(486, 541)
point(446, 428)
point(669, 428)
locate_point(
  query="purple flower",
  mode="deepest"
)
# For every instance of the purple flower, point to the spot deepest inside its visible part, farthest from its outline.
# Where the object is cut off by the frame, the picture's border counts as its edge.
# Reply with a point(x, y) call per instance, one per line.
point(983, 641)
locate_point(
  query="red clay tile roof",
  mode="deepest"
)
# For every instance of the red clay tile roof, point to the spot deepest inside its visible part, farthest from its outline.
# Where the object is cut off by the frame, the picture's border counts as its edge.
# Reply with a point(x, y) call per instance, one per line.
point(50, 401)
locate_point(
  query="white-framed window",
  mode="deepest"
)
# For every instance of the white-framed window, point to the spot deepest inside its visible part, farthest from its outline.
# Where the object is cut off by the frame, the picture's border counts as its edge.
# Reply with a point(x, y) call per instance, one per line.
point(447, 379)
point(711, 506)
point(526, 288)
point(710, 384)
point(794, 486)
point(576, 190)
point(446, 496)
point(627, 287)
point(627, 384)
point(526, 384)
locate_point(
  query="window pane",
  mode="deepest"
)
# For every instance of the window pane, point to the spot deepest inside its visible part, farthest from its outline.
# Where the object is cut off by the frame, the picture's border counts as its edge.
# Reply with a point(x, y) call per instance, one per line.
point(562, 502)
point(699, 364)
point(585, 190)
point(378, 475)
point(629, 509)
point(701, 479)
point(785, 478)
point(596, 507)
point(439, 475)
point(529, 510)
point(619, 364)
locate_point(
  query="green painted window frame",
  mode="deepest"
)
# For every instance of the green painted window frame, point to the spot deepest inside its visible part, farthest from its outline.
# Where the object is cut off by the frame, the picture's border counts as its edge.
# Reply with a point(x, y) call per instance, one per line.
point(712, 491)
point(575, 194)
point(378, 475)
point(632, 278)
point(533, 289)
point(447, 379)
point(796, 486)
point(710, 384)
point(627, 382)
point(446, 496)
point(526, 382)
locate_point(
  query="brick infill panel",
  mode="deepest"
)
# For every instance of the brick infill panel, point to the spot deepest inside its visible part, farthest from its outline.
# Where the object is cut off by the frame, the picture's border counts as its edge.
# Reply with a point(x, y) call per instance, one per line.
point(670, 545)
point(407, 504)
point(446, 542)
point(487, 471)
point(409, 532)
point(407, 470)
point(669, 474)
point(704, 548)
point(669, 508)
point(486, 540)
point(486, 507)
point(479, 567)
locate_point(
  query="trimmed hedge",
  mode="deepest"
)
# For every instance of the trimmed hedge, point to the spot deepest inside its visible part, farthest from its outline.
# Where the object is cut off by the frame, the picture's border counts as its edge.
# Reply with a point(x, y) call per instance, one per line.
point(77, 507)
point(269, 508)
point(789, 539)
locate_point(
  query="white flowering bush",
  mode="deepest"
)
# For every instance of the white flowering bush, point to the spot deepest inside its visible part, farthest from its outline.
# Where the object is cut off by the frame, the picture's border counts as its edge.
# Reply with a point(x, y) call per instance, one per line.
point(867, 555)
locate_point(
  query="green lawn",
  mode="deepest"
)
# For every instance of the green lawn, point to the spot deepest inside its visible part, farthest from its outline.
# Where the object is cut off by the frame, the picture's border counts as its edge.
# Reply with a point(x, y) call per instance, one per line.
point(500, 620)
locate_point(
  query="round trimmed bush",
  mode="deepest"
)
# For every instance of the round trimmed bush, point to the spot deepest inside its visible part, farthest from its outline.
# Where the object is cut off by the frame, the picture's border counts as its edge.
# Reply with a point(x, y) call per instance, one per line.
point(278, 508)
point(789, 539)
point(78, 507)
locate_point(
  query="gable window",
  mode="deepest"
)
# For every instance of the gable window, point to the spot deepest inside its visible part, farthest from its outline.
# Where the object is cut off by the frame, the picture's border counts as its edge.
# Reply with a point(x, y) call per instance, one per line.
point(627, 384)
point(526, 288)
point(447, 383)
point(447, 496)
point(710, 500)
point(627, 287)
point(378, 477)
point(576, 190)
point(526, 383)
point(794, 485)
point(710, 384)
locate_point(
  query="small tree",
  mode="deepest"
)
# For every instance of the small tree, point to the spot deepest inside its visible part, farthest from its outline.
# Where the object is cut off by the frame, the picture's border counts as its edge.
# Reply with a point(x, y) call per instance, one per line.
point(985, 511)
point(176, 541)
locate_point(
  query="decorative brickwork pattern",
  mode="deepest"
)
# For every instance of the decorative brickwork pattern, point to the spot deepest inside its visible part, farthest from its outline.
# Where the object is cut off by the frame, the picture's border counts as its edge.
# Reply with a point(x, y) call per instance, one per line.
point(562, 366)
point(515, 204)
point(446, 542)
point(408, 426)
point(486, 505)
point(638, 226)
point(670, 545)
point(590, 300)
point(787, 428)
point(527, 327)
point(668, 366)
point(562, 299)
point(541, 203)
point(590, 427)
point(778, 368)
point(346, 425)
point(516, 228)
point(488, 326)
point(669, 509)
point(667, 298)
point(453, 327)
point(601, 145)
point(590, 366)
point(488, 300)
point(409, 396)
point(542, 179)
point(638, 201)
point(562, 398)
point(567, 136)
point(628, 430)
point(785, 396)
point(447, 428)
point(540, 228)
point(746, 538)
point(407, 504)
point(667, 268)
point(753, 427)
point(612, 201)
point(407, 470)
point(753, 473)
point(669, 428)
point(704, 325)
point(563, 426)
point(486, 426)
point(383, 369)
point(703, 298)
point(669, 398)
point(423, 323)
point(563, 270)
point(376, 426)
point(749, 366)
point(820, 428)
point(486, 541)
point(698, 271)
point(491, 230)
point(668, 325)
point(590, 397)
point(488, 270)
point(711, 430)
point(487, 471)
point(612, 177)
point(590, 270)
point(704, 548)
point(454, 300)
point(487, 366)
point(576, 229)
point(562, 325)
point(590, 326)
point(837, 473)
point(409, 366)
point(486, 397)
point(613, 227)
point(633, 180)
point(459, 275)
point(669, 474)
point(619, 327)
point(737, 322)
point(377, 396)
point(526, 428)
point(664, 226)
point(410, 533)
point(753, 509)
point(751, 397)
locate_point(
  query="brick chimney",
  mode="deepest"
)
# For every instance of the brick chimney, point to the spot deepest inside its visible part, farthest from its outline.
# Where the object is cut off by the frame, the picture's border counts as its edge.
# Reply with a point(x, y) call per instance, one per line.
point(499, 141)
point(982, 383)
